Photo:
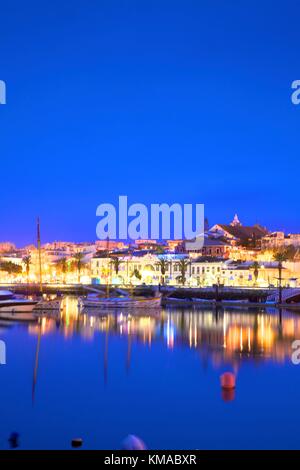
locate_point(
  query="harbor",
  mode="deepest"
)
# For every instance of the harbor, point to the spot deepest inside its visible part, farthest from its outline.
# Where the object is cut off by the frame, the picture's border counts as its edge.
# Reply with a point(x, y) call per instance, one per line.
point(181, 296)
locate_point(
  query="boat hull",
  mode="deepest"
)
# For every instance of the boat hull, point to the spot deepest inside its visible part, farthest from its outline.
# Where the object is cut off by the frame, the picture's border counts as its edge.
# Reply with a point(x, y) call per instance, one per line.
point(154, 302)
point(17, 307)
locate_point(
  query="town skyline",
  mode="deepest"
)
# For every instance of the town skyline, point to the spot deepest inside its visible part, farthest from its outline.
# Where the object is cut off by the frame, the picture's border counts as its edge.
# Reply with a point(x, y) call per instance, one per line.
point(31, 239)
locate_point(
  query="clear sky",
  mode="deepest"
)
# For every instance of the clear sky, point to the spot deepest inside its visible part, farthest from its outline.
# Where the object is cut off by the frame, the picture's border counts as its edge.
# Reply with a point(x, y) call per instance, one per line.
point(163, 101)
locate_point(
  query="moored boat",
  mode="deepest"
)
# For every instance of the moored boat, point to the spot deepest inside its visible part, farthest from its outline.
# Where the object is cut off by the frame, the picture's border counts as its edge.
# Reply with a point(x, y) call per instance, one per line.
point(15, 304)
point(93, 301)
point(11, 303)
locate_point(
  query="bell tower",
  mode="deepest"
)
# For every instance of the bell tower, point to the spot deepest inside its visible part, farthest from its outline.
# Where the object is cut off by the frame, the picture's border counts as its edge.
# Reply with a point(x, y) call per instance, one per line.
point(236, 222)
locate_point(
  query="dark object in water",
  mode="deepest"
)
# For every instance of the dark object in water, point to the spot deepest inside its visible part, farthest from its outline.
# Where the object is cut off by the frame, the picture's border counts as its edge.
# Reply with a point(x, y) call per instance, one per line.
point(132, 442)
point(77, 442)
point(14, 440)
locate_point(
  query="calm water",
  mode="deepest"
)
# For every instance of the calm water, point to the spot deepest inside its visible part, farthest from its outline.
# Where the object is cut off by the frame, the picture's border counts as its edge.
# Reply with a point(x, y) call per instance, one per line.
point(103, 378)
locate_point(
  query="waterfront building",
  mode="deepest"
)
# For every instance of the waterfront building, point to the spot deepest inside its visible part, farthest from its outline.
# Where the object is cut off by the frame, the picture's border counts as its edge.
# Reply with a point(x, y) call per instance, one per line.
point(146, 269)
point(207, 271)
point(133, 269)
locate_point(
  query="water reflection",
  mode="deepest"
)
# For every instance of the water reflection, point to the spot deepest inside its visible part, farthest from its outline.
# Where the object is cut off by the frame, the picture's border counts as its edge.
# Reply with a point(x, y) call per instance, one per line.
point(226, 336)
point(104, 375)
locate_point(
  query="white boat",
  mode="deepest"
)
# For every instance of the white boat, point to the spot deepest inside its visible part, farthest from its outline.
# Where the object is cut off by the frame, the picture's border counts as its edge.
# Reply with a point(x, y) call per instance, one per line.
point(14, 304)
point(94, 301)
point(11, 303)
point(17, 305)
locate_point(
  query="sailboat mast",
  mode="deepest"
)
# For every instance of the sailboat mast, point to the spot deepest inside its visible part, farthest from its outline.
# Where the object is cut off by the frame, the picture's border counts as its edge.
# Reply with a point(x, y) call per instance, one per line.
point(108, 267)
point(39, 254)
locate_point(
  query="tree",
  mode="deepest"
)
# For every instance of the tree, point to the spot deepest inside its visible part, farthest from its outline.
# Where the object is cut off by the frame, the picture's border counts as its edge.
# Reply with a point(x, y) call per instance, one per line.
point(10, 268)
point(63, 267)
point(27, 262)
point(79, 263)
point(183, 266)
point(159, 250)
point(136, 273)
point(255, 266)
point(280, 257)
point(290, 252)
point(116, 263)
point(163, 265)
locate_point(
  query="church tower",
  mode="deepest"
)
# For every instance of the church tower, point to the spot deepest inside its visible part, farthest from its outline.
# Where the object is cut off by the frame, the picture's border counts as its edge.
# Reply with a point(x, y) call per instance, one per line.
point(236, 222)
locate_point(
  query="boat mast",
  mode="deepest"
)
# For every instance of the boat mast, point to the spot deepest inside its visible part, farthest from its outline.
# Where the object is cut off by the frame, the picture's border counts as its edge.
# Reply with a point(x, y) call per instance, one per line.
point(39, 254)
point(108, 267)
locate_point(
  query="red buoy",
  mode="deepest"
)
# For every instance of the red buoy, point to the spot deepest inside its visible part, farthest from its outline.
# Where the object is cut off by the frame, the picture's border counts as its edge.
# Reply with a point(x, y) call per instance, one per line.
point(228, 381)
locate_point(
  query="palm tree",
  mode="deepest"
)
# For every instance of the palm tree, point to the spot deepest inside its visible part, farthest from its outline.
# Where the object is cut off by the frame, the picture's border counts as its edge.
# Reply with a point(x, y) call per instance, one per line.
point(10, 268)
point(280, 257)
point(183, 265)
point(63, 266)
point(79, 263)
point(163, 265)
point(27, 262)
point(136, 273)
point(255, 266)
point(116, 263)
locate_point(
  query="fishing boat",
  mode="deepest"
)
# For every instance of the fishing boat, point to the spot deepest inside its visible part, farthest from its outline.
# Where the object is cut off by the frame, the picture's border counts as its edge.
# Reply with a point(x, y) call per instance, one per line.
point(94, 301)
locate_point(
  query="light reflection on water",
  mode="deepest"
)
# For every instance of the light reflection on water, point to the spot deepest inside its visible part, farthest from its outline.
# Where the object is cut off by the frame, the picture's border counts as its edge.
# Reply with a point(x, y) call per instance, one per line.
point(227, 335)
point(103, 375)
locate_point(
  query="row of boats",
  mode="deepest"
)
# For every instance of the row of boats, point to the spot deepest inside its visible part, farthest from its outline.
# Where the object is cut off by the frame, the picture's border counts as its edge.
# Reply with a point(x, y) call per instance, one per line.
point(18, 307)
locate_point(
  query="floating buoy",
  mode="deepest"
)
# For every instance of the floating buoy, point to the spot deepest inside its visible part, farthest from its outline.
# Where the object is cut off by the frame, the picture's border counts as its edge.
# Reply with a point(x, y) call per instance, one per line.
point(228, 381)
point(14, 440)
point(77, 442)
point(132, 442)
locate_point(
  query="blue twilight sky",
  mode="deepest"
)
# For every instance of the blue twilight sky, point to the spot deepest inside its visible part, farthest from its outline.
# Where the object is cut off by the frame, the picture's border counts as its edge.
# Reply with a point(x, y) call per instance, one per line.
point(163, 101)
